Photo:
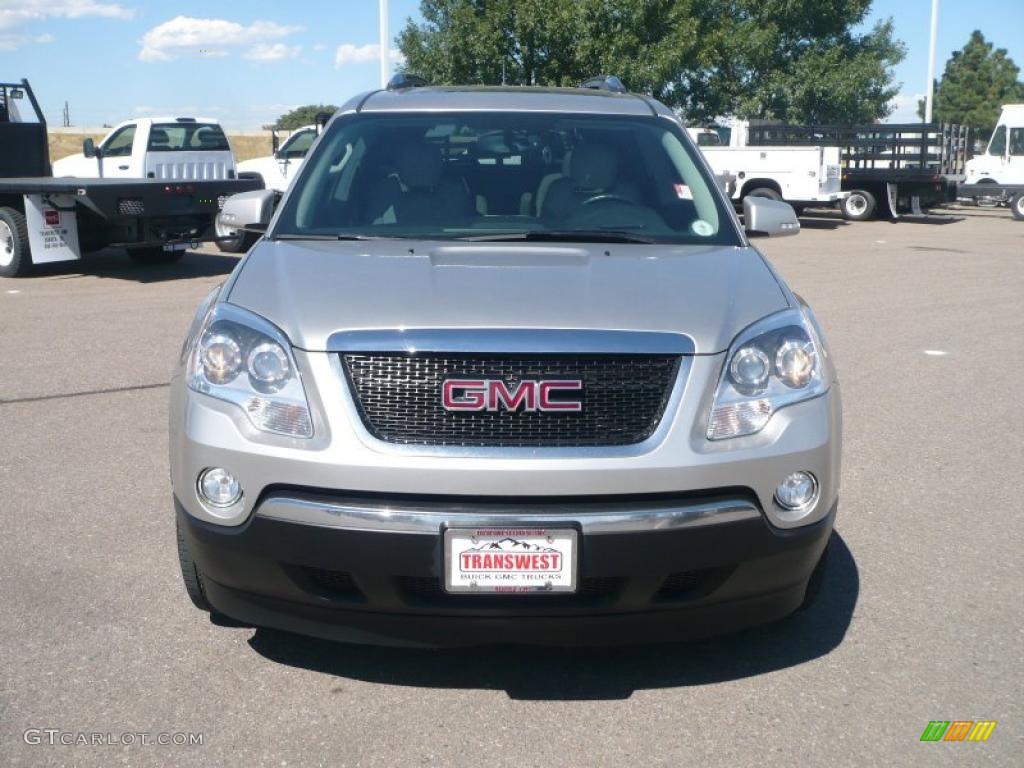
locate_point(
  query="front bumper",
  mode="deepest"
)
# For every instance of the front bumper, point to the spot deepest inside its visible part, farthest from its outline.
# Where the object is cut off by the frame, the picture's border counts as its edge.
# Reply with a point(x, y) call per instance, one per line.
point(716, 565)
point(340, 536)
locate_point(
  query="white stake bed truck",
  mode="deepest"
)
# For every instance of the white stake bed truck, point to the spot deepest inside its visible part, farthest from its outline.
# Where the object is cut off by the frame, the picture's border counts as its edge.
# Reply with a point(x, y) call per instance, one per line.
point(45, 219)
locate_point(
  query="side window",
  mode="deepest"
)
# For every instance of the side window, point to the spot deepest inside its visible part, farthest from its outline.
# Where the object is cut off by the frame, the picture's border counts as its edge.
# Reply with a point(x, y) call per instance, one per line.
point(120, 143)
point(997, 146)
point(1017, 142)
point(297, 146)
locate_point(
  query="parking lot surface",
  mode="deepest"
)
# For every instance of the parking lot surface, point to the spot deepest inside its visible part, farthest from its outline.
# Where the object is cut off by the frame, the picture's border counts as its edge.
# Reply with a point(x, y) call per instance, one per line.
point(921, 617)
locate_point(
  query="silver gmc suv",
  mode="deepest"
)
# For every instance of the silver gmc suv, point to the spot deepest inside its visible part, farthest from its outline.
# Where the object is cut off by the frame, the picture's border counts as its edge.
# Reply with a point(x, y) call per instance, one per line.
point(504, 367)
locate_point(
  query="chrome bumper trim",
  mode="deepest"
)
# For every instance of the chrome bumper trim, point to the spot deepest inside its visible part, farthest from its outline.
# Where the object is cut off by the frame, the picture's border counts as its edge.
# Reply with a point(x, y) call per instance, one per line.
point(430, 518)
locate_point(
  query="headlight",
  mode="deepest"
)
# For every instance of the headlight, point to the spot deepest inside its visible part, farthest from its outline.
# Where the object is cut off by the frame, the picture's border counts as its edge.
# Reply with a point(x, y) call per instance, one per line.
point(774, 363)
point(241, 358)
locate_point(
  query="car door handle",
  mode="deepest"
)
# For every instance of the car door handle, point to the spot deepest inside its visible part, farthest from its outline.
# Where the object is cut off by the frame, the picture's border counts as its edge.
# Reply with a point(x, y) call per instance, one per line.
point(122, 167)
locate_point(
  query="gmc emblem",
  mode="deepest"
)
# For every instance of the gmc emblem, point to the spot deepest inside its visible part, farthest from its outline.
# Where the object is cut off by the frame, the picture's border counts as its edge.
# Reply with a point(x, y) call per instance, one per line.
point(496, 395)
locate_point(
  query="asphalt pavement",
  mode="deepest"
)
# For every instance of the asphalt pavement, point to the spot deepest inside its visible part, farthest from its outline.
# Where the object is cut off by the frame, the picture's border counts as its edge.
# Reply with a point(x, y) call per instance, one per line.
point(921, 617)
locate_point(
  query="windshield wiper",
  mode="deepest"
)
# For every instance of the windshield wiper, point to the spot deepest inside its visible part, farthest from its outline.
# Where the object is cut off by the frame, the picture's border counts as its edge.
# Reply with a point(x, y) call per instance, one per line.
point(564, 235)
point(313, 236)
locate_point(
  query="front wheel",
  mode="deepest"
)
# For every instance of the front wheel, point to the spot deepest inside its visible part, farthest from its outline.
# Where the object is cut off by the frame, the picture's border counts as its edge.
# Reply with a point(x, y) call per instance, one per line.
point(766, 192)
point(859, 205)
point(1017, 206)
point(240, 242)
point(154, 255)
point(15, 259)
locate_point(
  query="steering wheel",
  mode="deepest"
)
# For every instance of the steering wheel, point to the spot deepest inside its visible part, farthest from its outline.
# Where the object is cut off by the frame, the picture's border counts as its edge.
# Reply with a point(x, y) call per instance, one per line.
point(606, 197)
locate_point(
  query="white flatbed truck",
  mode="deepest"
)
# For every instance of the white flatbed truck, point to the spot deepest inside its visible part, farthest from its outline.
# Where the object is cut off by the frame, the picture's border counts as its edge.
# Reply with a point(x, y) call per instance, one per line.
point(45, 219)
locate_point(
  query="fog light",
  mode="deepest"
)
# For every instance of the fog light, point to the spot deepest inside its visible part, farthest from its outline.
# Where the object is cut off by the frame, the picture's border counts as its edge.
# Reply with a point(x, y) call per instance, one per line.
point(218, 487)
point(797, 491)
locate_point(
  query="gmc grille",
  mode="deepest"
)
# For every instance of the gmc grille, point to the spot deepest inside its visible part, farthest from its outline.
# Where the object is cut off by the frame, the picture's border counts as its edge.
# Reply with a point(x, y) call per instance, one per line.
point(399, 398)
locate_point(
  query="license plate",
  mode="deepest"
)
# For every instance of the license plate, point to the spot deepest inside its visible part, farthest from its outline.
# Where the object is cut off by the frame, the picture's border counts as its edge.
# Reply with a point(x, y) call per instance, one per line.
point(510, 560)
point(176, 246)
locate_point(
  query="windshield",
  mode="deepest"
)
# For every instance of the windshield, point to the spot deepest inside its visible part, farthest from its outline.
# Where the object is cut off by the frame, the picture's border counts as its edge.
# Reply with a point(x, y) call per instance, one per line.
point(508, 175)
point(192, 137)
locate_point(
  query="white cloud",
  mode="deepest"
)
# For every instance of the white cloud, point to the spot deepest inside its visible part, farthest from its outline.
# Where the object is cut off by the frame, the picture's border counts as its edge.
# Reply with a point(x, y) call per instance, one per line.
point(16, 15)
point(904, 108)
point(360, 54)
point(185, 35)
point(272, 52)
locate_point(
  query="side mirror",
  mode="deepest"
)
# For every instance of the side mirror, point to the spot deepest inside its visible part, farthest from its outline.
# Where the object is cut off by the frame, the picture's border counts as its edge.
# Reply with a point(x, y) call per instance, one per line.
point(249, 211)
point(769, 218)
point(89, 148)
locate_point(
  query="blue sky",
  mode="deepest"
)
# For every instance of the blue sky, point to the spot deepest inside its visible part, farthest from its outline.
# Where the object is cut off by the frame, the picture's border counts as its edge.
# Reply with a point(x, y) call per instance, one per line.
point(247, 62)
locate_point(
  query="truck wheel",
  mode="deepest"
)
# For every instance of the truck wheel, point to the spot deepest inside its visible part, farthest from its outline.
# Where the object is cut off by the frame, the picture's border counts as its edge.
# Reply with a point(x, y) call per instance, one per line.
point(859, 205)
point(1017, 206)
point(241, 242)
point(768, 192)
point(190, 574)
point(154, 255)
point(15, 260)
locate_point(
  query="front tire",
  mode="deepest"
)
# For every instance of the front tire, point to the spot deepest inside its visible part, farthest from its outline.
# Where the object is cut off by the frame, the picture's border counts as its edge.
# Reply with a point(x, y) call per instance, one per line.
point(1017, 206)
point(154, 255)
point(190, 574)
point(241, 241)
point(859, 205)
point(15, 258)
point(817, 579)
point(767, 192)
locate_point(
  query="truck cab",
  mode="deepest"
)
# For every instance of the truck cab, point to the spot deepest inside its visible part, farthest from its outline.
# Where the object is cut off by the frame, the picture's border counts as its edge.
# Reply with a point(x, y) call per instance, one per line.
point(281, 167)
point(705, 137)
point(1003, 160)
point(185, 148)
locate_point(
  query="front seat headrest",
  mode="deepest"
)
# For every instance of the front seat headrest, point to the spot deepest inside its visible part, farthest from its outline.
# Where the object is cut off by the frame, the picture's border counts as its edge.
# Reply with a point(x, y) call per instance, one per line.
point(593, 166)
point(419, 166)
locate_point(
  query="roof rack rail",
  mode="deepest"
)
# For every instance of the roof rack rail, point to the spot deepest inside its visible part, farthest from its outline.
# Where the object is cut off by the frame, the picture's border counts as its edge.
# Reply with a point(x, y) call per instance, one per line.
point(605, 83)
point(404, 80)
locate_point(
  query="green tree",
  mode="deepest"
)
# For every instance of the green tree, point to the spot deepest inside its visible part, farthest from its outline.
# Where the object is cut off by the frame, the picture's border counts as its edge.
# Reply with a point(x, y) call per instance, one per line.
point(795, 60)
point(977, 81)
point(301, 116)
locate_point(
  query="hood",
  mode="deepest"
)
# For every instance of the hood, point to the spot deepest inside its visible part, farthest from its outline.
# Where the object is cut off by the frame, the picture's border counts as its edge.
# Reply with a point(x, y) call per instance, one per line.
point(68, 160)
point(313, 289)
point(255, 164)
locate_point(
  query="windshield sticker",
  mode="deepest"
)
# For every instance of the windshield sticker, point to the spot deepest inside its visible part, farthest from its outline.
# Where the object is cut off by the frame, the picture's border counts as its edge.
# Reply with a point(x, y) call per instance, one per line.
point(702, 228)
point(683, 192)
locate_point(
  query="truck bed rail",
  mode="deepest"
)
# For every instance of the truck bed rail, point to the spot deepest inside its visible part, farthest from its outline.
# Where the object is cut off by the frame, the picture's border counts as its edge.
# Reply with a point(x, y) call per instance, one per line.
point(890, 149)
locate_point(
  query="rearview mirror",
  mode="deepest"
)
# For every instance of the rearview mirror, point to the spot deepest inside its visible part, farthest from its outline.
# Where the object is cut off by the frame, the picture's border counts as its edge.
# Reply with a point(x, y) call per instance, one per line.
point(89, 148)
point(769, 218)
point(249, 211)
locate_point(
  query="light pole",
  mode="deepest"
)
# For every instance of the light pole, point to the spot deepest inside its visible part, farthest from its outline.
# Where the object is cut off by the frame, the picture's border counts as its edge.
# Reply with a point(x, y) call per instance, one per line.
point(930, 93)
point(385, 46)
